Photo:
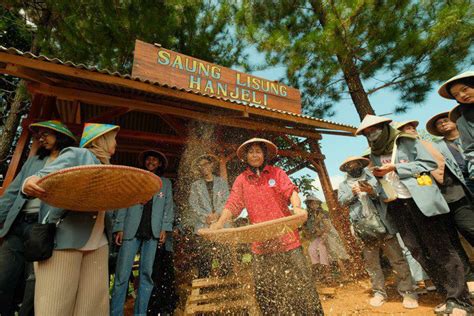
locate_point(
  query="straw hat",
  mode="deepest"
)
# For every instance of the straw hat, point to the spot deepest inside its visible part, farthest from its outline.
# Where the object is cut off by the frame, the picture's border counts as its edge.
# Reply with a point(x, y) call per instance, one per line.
point(366, 152)
point(271, 147)
point(94, 130)
point(431, 124)
point(455, 113)
point(209, 157)
point(365, 162)
point(312, 197)
point(55, 125)
point(443, 90)
point(402, 124)
point(371, 120)
point(161, 156)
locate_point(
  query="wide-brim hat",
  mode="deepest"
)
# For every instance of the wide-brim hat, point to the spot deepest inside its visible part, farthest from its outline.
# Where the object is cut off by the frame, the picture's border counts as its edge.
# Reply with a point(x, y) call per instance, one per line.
point(146, 152)
point(312, 197)
point(272, 149)
point(209, 157)
point(431, 124)
point(94, 130)
point(455, 113)
point(410, 122)
point(366, 152)
point(54, 125)
point(371, 120)
point(365, 162)
point(443, 90)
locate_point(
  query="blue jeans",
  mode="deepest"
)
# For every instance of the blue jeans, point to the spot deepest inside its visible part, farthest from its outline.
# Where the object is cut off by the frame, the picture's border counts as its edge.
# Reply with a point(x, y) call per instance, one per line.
point(12, 266)
point(125, 259)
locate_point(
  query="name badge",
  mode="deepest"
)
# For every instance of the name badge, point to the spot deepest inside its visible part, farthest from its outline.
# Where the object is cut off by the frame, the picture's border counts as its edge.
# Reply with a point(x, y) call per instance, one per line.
point(271, 183)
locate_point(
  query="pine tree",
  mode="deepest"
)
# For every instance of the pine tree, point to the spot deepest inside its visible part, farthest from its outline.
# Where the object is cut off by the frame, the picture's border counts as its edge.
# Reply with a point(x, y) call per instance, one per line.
point(331, 48)
point(103, 33)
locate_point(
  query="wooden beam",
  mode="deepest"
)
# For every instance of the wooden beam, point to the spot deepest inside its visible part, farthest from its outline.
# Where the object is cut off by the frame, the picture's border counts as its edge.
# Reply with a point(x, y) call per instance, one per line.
point(164, 91)
point(108, 100)
point(27, 73)
point(174, 124)
point(107, 116)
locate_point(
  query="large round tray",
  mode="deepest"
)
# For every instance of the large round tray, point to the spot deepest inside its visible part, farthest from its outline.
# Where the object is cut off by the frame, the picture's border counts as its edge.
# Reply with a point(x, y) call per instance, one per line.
point(256, 232)
point(99, 187)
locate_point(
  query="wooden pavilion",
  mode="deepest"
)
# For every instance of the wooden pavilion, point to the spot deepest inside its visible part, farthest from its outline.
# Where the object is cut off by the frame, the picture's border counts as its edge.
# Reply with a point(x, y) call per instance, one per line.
point(154, 114)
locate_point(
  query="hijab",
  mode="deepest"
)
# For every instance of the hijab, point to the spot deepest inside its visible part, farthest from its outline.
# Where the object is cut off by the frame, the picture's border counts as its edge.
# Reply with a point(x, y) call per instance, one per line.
point(101, 146)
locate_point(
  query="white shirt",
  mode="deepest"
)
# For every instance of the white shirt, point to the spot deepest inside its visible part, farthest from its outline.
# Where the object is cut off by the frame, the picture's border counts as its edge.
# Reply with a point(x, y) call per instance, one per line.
point(393, 178)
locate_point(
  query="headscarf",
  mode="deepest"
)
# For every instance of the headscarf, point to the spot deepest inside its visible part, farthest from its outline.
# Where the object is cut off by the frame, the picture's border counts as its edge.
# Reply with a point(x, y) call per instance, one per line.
point(384, 144)
point(100, 147)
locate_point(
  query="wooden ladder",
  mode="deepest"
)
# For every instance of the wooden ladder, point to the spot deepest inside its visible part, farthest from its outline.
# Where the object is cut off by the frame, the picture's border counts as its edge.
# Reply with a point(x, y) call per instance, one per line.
point(229, 295)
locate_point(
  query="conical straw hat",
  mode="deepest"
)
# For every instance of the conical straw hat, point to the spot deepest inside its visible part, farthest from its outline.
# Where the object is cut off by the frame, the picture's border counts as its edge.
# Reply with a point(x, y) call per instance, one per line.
point(455, 113)
point(271, 147)
point(371, 120)
point(94, 130)
point(443, 90)
point(402, 124)
point(431, 124)
point(54, 125)
point(365, 162)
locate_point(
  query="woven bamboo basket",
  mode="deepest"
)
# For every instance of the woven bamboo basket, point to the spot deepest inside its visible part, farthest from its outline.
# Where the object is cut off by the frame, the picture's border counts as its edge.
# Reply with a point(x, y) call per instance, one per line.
point(255, 232)
point(99, 187)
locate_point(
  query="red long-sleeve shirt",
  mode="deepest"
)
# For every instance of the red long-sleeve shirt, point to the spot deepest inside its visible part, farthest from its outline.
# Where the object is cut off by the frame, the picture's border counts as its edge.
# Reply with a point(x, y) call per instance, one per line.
point(265, 197)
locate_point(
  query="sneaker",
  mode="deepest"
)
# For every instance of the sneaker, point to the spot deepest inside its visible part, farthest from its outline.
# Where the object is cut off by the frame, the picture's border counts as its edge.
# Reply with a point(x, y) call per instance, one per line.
point(377, 300)
point(452, 307)
point(470, 288)
point(409, 302)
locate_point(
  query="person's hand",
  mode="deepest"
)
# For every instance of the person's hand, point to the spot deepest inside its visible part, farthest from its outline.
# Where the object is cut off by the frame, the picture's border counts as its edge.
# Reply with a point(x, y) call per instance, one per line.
point(356, 189)
point(162, 237)
point(383, 170)
point(31, 188)
point(215, 226)
point(365, 187)
point(298, 210)
point(118, 238)
point(212, 218)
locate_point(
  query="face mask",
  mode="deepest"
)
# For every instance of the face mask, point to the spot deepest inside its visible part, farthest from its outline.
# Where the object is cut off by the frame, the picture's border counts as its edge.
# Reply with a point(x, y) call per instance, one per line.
point(355, 173)
point(374, 135)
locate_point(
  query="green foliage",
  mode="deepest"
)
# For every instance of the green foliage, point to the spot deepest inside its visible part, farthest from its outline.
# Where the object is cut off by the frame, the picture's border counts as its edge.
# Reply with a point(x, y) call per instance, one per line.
point(103, 32)
point(305, 184)
point(402, 45)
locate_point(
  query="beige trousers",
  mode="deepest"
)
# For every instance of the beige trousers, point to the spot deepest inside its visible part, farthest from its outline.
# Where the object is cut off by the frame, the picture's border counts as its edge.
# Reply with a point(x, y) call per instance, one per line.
point(73, 282)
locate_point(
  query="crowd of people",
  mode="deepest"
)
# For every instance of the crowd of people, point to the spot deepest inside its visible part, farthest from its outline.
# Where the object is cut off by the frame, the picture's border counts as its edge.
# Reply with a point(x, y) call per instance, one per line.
point(408, 198)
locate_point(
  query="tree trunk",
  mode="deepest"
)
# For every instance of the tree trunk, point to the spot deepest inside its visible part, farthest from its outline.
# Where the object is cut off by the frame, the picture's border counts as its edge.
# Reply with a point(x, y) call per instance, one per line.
point(351, 73)
point(12, 122)
point(14, 116)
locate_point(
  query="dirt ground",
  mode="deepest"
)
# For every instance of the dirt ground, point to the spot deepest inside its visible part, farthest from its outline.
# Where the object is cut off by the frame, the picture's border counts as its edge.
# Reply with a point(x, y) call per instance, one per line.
point(352, 299)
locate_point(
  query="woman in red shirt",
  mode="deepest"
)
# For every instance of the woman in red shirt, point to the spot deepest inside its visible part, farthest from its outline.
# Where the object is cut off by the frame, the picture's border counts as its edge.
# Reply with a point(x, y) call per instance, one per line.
point(282, 278)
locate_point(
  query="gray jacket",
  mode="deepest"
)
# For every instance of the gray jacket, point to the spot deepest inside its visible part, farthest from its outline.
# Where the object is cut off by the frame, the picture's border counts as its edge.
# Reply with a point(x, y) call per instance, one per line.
point(346, 197)
point(412, 159)
point(200, 201)
point(466, 132)
point(162, 214)
point(452, 165)
point(76, 227)
point(12, 200)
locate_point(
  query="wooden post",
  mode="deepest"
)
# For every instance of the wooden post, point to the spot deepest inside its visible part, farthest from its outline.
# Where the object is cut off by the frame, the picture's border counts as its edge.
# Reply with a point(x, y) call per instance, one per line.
point(339, 215)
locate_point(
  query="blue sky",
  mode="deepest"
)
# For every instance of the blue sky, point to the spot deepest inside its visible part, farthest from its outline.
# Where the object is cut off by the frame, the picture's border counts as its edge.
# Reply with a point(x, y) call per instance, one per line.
point(337, 148)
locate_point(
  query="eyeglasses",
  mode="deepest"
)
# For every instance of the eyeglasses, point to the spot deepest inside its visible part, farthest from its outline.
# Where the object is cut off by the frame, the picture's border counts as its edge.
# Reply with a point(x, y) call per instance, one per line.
point(41, 135)
point(442, 121)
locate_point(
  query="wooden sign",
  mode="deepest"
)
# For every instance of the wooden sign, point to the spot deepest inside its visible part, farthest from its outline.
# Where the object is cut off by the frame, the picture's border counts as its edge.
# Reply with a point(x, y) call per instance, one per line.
point(167, 67)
